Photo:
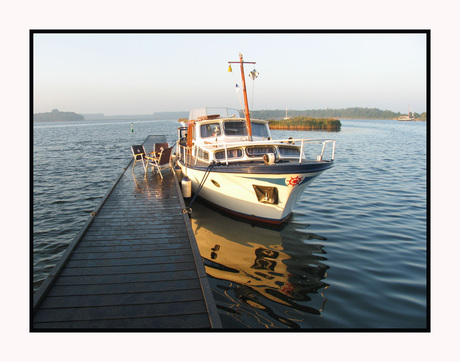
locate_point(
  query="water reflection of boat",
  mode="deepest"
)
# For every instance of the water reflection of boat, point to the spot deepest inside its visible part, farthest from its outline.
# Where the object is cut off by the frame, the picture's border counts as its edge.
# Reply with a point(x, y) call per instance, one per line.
point(265, 271)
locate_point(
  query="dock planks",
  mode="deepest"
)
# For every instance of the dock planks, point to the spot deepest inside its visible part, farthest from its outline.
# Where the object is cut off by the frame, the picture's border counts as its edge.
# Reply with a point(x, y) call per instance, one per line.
point(134, 266)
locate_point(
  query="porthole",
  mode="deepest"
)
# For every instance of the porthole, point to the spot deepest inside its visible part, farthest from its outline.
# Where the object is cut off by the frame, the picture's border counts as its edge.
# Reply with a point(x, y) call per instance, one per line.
point(215, 183)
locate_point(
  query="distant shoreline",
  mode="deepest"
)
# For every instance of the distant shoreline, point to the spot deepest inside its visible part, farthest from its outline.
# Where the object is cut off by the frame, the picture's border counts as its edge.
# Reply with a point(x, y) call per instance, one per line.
point(166, 118)
point(344, 113)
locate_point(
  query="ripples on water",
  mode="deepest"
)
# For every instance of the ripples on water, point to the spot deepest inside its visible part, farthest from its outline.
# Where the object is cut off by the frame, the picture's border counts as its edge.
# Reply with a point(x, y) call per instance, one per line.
point(354, 254)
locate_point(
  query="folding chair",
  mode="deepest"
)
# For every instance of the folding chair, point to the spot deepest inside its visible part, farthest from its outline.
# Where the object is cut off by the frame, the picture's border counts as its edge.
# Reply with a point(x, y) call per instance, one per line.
point(158, 146)
point(162, 161)
point(139, 156)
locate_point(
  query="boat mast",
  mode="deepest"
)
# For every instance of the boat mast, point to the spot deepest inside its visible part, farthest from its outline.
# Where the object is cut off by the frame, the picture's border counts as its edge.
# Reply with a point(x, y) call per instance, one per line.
point(245, 95)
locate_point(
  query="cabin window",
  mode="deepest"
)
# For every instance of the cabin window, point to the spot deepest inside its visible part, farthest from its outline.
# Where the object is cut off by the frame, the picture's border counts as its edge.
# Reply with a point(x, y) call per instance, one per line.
point(204, 155)
point(210, 130)
point(259, 151)
point(183, 136)
point(232, 153)
point(235, 129)
point(289, 151)
point(259, 130)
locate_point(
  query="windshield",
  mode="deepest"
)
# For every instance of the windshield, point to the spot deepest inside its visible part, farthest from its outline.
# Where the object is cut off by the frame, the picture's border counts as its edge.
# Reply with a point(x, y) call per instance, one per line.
point(210, 130)
point(235, 129)
point(259, 130)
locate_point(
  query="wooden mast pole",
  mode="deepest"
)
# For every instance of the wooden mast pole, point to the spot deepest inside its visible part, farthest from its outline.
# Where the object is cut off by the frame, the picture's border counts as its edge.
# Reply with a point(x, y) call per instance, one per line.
point(245, 95)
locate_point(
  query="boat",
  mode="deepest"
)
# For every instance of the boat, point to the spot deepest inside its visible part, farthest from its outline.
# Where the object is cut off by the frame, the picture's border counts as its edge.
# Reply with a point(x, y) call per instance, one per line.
point(407, 117)
point(286, 118)
point(234, 164)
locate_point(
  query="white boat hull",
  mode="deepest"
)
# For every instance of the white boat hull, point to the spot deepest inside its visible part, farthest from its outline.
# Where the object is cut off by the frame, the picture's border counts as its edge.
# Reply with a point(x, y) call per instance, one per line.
point(235, 192)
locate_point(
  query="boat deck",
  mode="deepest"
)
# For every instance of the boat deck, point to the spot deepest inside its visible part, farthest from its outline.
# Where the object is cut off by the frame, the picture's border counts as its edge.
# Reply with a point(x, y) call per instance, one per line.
point(134, 266)
point(258, 166)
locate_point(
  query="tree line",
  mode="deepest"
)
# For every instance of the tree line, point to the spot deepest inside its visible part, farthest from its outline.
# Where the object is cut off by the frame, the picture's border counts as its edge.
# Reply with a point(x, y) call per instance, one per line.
point(55, 116)
point(352, 113)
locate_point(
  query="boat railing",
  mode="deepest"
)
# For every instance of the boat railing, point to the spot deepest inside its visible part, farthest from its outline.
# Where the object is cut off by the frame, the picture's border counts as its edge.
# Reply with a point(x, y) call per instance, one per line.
point(189, 155)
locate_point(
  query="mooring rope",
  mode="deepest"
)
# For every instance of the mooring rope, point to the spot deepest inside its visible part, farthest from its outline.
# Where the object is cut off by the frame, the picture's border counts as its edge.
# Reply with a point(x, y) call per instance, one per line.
point(188, 209)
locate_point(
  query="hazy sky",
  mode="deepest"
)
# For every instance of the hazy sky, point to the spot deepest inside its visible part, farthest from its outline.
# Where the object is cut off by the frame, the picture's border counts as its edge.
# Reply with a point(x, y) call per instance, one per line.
point(127, 73)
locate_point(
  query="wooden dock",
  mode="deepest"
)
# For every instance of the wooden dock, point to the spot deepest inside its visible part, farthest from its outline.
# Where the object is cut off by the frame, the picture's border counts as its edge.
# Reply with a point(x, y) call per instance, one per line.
point(135, 265)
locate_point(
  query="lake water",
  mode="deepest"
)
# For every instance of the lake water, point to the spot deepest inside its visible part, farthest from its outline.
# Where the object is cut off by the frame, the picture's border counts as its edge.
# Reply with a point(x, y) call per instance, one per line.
point(353, 256)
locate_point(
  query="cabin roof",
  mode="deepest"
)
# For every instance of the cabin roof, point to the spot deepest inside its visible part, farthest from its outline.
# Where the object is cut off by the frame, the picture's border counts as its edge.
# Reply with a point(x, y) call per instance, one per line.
point(216, 112)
